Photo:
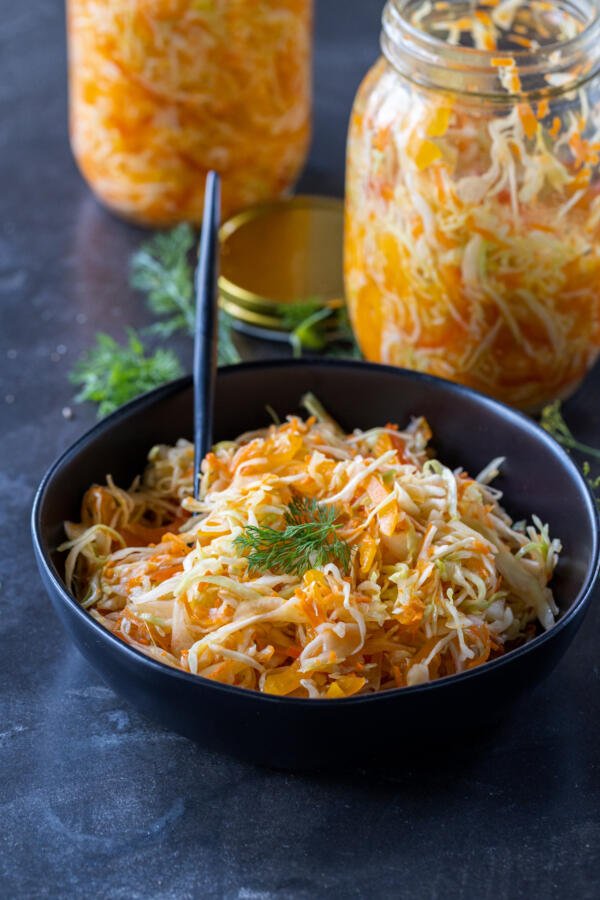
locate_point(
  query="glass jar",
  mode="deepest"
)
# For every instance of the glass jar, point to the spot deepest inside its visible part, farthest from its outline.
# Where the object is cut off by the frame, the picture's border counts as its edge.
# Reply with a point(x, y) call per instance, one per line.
point(163, 90)
point(472, 233)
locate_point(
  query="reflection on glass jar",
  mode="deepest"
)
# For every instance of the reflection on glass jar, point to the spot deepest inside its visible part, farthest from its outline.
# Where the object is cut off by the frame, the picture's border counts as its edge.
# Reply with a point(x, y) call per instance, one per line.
point(472, 243)
point(163, 90)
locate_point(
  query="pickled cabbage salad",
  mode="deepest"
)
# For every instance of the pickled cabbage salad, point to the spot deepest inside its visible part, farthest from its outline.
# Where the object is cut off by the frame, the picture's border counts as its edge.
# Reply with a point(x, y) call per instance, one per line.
point(163, 91)
point(473, 223)
point(413, 572)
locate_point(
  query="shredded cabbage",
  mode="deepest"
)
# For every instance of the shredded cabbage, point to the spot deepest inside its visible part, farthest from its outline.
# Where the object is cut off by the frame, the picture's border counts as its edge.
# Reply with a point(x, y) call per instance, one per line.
point(439, 580)
point(162, 91)
point(472, 246)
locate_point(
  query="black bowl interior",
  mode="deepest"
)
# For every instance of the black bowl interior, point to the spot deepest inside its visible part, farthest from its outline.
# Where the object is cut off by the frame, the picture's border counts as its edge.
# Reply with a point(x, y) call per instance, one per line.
point(469, 430)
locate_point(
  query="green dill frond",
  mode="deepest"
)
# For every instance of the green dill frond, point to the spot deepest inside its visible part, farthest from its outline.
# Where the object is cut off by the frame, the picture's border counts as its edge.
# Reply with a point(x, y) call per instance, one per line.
point(592, 480)
point(308, 541)
point(161, 270)
point(553, 422)
point(296, 312)
point(110, 373)
point(227, 352)
point(321, 326)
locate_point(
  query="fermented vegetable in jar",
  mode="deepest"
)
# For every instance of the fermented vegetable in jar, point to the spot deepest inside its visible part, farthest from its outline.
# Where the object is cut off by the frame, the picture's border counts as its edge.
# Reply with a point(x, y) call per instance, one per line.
point(472, 237)
point(163, 90)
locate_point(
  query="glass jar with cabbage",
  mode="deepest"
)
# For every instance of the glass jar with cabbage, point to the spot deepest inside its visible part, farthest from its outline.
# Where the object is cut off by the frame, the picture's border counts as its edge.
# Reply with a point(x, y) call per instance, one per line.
point(472, 242)
point(163, 90)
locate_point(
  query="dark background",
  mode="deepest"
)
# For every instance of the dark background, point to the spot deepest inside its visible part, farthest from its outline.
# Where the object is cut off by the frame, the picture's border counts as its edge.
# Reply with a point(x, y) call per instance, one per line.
point(96, 800)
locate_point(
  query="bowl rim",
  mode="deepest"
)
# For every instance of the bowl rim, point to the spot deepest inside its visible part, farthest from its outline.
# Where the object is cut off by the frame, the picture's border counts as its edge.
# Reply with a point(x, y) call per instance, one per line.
point(581, 601)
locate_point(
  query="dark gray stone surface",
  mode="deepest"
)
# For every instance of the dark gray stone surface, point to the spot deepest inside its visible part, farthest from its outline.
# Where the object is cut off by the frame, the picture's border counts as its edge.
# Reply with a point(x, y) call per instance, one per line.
point(98, 802)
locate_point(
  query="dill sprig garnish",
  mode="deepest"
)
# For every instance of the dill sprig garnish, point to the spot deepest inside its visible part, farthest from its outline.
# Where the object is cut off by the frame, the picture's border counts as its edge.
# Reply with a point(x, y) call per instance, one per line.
point(553, 422)
point(110, 373)
point(161, 269)
point(308, 541)
point(319, 325)
point(592, 480)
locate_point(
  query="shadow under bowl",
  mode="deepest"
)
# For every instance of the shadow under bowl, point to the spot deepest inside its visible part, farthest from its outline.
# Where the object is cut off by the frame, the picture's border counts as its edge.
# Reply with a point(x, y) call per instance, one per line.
point(469, 430)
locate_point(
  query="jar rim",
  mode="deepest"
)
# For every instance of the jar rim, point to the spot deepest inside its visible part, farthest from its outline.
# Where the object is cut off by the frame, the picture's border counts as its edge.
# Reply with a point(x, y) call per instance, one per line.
point(428, 59)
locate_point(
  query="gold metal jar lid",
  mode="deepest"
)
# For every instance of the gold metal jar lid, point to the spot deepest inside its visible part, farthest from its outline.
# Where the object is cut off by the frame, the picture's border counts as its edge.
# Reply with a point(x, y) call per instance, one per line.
point(275, 254)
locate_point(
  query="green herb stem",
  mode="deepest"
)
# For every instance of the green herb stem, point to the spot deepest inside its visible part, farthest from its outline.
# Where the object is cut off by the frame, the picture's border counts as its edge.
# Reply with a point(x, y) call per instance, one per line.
point(553, 422)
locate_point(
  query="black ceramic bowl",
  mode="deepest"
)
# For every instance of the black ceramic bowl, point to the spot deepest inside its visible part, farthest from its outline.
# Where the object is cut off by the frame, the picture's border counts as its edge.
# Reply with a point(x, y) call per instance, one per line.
point(469, 430)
